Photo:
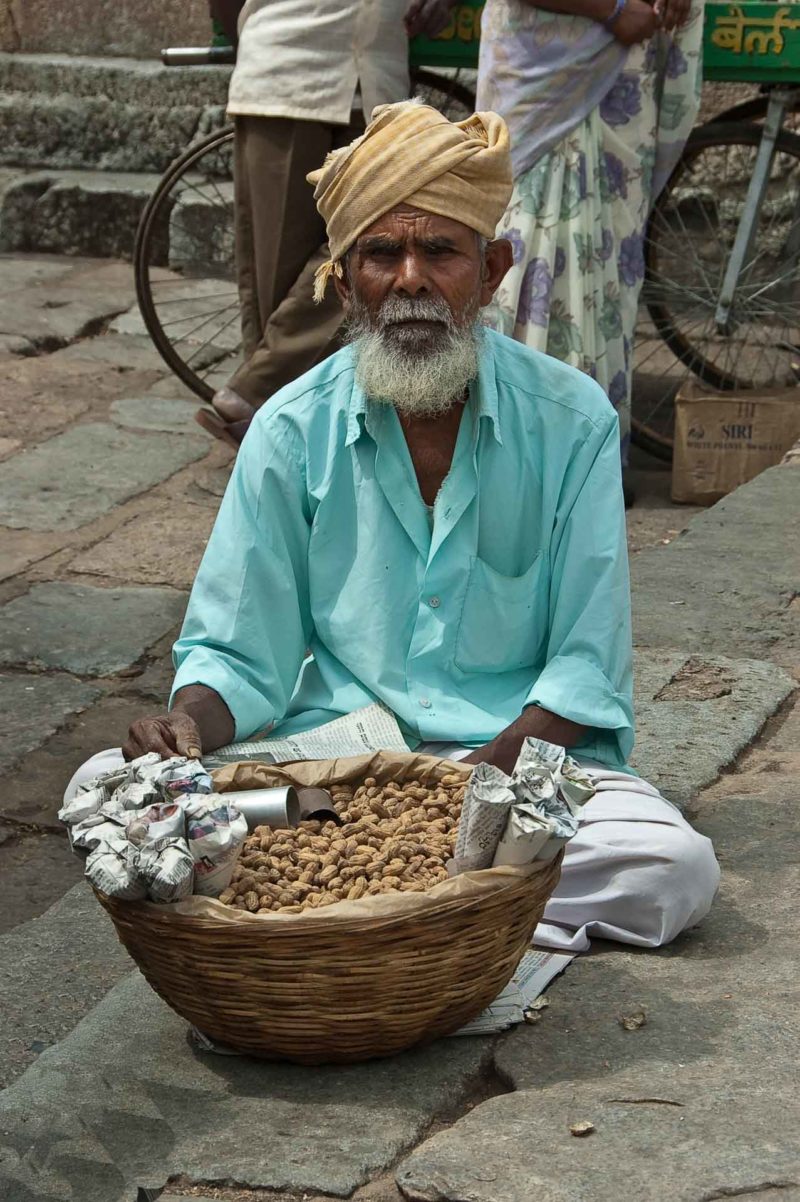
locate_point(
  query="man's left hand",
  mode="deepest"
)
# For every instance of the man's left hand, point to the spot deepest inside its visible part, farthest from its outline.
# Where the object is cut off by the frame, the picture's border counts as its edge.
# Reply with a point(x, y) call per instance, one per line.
point(503, 753)
point(427, 16)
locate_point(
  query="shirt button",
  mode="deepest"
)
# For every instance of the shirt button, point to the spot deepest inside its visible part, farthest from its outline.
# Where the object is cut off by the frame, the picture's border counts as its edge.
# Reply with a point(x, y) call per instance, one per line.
point(434, 602)
point(425, 703)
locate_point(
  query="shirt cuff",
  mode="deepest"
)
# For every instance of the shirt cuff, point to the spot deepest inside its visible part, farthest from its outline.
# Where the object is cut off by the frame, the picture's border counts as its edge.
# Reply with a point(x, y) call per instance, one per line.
point(248, 708)
point(577, 690)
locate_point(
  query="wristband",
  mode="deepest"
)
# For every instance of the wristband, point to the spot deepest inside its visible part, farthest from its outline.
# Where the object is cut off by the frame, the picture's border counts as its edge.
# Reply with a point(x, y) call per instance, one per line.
point(610, 21)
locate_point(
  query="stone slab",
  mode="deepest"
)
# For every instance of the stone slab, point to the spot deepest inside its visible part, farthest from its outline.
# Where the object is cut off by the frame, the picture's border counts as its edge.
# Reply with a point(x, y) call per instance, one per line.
point(120, 353)
point(32, 792)
point(20, 548)
point(108, 27)
point(210, 483)
point(725, 586)
point(144, 1107)
point(725, 1142)
point(86, 472)
point(699, 1103)
point(162, 547)
point(74, 212)
point(28, 271)
point(67, 131)
point(85, 630)
point(122, 80)
point(42, 395)
point(155, 683)
point(33, 707)
point(37, 869)
point(15, 344)
point(50, 312)
point(53, 970)
point(696, 714)
point(156, 413)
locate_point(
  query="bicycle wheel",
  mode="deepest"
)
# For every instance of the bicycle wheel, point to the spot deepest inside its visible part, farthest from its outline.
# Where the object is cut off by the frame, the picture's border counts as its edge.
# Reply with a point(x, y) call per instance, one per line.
point(184, 263)
point(184, 255)
point(689, 240)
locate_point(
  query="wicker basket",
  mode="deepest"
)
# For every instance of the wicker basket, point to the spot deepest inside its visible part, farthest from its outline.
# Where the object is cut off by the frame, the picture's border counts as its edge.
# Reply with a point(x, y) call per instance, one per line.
point(313, 990)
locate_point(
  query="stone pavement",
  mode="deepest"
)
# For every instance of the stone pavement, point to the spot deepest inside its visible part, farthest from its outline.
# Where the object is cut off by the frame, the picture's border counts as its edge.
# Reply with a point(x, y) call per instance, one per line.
point(107, 494)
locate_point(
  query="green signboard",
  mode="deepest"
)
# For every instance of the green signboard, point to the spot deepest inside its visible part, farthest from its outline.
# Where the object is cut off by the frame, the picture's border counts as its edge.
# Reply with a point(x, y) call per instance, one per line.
point(455, 46)
point(743, 43)
point(758, 43)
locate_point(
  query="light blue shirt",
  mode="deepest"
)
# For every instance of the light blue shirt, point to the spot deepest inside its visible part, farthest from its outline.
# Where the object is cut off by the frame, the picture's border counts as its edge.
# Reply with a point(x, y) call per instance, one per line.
point(516, 595)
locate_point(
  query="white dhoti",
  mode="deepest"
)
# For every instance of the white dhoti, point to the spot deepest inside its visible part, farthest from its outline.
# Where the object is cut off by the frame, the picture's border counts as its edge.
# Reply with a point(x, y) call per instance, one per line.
point(636, 871)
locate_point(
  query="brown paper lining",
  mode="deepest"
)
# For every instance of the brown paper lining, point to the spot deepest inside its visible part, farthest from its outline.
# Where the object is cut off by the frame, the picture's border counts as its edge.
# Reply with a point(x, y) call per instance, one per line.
point(383, 907)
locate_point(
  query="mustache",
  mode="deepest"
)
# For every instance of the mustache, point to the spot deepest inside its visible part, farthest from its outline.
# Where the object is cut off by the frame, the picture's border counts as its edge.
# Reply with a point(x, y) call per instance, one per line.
point(397, 310)
point(394, 317)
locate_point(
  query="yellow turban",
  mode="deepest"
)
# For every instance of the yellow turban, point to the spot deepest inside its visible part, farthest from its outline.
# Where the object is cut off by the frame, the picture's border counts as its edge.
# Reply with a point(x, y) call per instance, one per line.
point(411, 154)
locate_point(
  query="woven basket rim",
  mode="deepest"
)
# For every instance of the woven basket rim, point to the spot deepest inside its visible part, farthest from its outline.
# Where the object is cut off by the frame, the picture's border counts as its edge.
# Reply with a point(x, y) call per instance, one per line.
point(277, 925)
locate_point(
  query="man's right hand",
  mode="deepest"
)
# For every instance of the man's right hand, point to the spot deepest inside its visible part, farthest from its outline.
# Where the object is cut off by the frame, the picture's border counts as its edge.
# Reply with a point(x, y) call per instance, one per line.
point(169, 734)
point(637, 22)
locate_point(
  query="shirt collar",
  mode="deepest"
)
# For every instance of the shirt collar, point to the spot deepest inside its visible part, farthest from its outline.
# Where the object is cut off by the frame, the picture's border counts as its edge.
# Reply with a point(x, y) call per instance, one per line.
point(483, 394)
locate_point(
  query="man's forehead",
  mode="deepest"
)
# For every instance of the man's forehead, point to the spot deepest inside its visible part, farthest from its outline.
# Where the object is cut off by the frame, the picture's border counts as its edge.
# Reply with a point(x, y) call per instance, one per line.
point(404, 221)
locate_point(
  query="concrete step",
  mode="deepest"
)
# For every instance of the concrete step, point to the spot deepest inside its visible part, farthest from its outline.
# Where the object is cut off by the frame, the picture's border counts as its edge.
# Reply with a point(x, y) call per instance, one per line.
point(73, 212)
point(97, 212)
point(113, 114)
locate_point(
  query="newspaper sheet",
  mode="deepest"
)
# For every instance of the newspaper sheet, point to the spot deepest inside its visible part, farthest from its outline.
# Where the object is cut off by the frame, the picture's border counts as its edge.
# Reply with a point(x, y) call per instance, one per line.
point(535, 971)
point(373, 728)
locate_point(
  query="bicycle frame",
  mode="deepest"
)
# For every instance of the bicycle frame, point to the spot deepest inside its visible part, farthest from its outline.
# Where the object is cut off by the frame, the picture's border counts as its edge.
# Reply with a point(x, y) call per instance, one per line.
point(780, 99)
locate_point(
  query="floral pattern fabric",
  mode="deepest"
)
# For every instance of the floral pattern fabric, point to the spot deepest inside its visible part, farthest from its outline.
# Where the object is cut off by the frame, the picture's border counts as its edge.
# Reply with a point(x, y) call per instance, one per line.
point(577, 217)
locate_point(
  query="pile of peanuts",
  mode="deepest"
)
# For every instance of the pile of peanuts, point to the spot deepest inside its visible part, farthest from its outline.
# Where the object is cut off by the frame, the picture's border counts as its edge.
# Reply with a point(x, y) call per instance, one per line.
point(396, 836)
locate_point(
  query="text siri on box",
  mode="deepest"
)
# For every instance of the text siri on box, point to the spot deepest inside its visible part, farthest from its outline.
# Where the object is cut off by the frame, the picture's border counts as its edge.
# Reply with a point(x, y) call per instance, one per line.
point(724, 439)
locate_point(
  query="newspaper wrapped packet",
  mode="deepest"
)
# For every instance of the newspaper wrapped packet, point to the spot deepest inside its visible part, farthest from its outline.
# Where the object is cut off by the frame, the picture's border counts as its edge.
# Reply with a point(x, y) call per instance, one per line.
point(153, 828)
point(530, 815)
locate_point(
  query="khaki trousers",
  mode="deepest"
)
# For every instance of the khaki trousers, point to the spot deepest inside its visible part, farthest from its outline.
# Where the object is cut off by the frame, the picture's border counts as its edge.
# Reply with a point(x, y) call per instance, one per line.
point(280, 243)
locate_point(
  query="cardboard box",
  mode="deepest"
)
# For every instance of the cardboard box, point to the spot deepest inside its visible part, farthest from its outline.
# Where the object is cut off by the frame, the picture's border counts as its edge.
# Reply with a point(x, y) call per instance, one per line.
point(724, 439)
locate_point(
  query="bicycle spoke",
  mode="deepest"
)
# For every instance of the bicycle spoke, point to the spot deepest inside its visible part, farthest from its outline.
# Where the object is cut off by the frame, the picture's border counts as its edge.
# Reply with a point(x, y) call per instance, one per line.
point(199, 351)
point(195, 188)
point(209, 317)
point(209, 313)
point(182, 300)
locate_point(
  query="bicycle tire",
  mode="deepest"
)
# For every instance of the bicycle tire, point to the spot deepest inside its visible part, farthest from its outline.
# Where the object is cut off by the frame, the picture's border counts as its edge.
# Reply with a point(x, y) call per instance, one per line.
point(144, 257)
point(712, 134)
point(754, 109)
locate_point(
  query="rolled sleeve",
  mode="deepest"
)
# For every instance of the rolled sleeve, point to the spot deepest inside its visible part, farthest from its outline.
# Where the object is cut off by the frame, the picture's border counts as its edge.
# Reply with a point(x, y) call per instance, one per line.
point(247, 703)
point(248, 620)
point(577, 690)
point(587, 677)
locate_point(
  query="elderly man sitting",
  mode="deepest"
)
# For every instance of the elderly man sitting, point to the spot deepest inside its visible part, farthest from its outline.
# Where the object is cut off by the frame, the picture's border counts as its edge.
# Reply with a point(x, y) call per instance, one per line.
point(436, 512)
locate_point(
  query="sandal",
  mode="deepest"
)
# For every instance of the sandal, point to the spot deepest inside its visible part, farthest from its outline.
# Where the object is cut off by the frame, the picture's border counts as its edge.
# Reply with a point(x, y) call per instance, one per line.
point(231, 433)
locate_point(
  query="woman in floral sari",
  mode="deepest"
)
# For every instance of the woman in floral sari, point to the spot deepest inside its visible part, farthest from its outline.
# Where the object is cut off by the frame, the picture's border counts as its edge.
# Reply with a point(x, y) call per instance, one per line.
point(599, 96)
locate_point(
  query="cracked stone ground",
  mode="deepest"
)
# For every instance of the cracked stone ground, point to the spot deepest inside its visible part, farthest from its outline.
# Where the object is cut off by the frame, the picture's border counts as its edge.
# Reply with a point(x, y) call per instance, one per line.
point(107, 494)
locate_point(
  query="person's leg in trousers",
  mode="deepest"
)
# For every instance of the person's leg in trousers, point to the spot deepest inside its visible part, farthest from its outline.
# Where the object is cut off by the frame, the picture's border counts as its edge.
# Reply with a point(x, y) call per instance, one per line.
point(288, 245)
point(251, 320)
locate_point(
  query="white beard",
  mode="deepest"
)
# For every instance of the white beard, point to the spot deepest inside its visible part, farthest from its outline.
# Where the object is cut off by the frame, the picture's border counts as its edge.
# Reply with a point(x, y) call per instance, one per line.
point(422, 373)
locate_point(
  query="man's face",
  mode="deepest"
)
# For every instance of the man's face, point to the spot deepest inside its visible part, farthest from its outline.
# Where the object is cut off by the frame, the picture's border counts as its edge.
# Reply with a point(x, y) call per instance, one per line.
point(413, 287)
point(410, 255)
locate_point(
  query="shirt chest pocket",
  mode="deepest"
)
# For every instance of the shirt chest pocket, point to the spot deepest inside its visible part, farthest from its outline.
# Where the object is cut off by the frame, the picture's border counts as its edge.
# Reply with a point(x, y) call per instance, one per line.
point(504, 618)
